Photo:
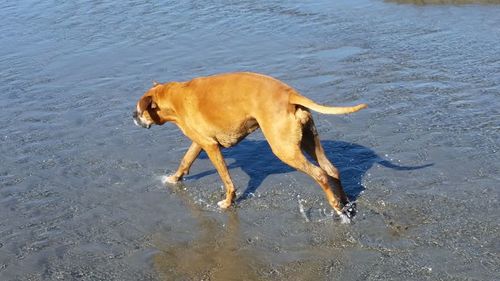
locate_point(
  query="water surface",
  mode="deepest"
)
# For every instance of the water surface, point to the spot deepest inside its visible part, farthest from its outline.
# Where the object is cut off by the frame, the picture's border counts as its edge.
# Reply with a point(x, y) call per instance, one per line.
point(81, 196)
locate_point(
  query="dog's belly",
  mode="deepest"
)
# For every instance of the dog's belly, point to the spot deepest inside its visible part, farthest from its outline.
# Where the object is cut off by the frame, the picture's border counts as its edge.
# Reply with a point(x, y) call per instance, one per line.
point(232, 137)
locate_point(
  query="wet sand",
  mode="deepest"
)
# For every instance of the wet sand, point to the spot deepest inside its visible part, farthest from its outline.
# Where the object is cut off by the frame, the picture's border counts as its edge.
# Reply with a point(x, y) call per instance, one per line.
point(81, 196)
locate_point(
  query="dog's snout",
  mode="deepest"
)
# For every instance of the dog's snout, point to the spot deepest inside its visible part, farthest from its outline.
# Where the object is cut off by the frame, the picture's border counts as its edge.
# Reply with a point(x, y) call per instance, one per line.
point(138, 121)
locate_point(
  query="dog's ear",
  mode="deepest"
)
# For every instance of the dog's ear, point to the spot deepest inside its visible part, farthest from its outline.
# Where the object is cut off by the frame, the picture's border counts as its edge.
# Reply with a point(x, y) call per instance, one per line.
point(153, 105)
point(144, 103)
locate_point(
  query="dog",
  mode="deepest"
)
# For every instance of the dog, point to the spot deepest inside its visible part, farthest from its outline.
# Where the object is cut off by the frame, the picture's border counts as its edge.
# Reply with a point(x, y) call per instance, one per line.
point(221, 110)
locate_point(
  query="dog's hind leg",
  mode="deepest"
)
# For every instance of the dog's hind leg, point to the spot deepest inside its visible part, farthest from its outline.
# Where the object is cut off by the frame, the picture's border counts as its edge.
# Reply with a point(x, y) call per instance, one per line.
point(285, 140)
point(188, 159)
point(298, 161)
point(311, 144)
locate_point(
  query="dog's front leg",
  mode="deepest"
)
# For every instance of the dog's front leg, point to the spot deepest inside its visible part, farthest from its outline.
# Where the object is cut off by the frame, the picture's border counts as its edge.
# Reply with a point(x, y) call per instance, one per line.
point(215, 156)
point(191, 155)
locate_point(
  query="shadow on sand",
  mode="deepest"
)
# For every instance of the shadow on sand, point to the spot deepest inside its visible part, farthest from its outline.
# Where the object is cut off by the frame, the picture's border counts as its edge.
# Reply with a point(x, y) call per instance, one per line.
point(257, 160)
point(218, 252)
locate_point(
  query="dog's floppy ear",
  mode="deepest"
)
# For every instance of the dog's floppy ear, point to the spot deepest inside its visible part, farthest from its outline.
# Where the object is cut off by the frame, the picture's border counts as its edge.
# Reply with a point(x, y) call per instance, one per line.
point(144, 103)
point(153, 105)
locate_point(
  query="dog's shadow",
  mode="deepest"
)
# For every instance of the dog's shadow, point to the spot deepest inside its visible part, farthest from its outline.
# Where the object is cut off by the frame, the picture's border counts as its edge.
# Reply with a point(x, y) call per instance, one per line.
point(257, 160)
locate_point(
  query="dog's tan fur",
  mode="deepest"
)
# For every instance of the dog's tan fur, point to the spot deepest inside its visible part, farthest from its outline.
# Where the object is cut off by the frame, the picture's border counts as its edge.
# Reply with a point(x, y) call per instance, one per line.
point(223, 109)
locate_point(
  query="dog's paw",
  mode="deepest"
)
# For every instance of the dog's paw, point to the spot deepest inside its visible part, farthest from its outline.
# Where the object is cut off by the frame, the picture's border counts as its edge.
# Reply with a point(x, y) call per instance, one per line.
point(172, 179)
point(348, 212)
point(223, 204)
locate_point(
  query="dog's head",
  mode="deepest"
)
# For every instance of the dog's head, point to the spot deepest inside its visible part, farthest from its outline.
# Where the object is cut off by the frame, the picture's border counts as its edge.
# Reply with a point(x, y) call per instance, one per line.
point(148, 111)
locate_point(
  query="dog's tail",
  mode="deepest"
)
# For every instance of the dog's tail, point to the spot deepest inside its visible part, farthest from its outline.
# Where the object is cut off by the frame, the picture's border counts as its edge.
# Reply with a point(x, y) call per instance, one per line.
point(301, 100)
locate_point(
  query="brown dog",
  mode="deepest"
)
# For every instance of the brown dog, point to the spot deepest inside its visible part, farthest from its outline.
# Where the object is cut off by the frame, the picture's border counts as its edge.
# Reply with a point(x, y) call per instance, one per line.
point(223, 109)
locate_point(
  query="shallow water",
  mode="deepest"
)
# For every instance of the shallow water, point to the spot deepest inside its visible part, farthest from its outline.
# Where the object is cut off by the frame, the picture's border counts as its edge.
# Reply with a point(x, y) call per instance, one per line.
point(81, 196)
